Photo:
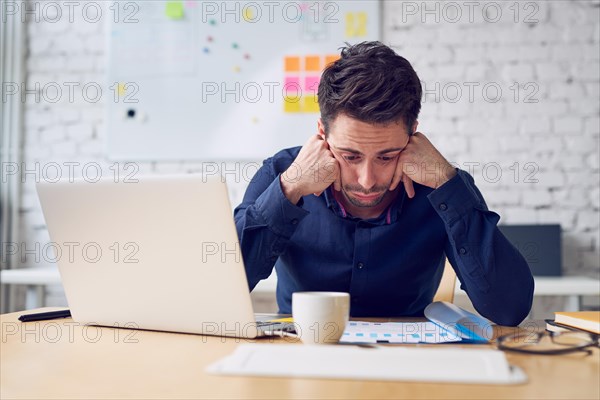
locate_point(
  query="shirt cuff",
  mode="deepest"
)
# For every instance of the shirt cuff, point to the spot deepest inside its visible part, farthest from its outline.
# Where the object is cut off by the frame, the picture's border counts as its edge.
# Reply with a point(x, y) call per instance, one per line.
point(456, 197)
point(280, 215)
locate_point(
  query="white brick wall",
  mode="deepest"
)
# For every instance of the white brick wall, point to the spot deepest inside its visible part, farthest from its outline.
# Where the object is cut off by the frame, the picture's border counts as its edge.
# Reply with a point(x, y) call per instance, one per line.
point(554, 63)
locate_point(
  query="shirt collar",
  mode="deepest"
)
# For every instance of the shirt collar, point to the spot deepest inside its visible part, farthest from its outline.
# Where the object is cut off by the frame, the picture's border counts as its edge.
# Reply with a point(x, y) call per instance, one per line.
point(389, 216)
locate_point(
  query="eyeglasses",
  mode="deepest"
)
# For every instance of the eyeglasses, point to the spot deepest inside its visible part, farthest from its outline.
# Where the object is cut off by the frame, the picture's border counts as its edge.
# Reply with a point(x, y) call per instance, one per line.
point(548, 343)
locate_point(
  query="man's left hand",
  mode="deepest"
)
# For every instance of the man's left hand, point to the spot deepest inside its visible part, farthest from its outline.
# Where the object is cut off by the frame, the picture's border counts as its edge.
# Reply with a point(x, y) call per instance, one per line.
point(421, 162)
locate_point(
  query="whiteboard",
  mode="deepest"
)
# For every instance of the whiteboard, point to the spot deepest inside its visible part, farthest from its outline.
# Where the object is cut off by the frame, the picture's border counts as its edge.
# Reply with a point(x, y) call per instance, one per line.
point(198, 80)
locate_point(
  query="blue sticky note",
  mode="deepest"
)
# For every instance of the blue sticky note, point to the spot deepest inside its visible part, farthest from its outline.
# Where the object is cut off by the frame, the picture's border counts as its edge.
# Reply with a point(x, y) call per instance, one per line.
point(387, 335)
point(416, 335)
point(360, 334)
point(374, 335)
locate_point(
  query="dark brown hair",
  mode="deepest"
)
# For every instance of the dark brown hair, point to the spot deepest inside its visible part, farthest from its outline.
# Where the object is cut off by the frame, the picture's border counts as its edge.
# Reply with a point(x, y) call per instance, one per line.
point(371, 83)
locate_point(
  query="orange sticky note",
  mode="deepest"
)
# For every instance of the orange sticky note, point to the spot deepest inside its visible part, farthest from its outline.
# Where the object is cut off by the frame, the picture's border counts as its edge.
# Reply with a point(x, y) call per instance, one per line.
point(331, 58)
point(312, 63)
point(292, 64)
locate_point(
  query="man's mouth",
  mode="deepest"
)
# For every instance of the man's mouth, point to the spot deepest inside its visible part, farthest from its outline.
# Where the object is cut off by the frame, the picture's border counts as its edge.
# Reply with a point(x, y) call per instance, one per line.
point(366, 197)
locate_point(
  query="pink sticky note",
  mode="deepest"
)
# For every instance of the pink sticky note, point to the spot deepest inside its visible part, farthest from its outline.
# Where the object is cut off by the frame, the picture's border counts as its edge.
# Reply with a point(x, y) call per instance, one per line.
point(190, 3)
point(292, 84)
point(311, 84)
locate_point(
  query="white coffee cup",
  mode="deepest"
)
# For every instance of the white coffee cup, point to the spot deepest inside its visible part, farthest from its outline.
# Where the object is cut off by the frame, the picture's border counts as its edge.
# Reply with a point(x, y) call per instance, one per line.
point(320, 317)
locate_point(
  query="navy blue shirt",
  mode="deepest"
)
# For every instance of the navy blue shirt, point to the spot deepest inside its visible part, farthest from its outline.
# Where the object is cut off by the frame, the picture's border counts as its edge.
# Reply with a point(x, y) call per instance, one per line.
point(390, 265)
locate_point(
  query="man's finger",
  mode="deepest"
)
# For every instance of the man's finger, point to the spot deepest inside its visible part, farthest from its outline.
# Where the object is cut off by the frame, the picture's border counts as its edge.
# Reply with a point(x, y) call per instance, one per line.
point(337, 184)
point(408, 186)
point(397, 176)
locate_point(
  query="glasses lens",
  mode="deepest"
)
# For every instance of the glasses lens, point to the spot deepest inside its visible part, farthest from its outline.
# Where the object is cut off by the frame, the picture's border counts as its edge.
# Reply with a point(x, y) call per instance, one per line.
point(572, 339)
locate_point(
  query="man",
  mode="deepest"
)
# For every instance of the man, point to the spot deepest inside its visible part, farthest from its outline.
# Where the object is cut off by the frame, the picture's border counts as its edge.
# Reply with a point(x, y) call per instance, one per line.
point(370, 207)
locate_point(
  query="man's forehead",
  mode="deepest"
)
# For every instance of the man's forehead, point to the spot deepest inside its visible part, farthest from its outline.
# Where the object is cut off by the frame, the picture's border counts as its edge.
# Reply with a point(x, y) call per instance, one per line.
point(360, 137)
point(345, 121)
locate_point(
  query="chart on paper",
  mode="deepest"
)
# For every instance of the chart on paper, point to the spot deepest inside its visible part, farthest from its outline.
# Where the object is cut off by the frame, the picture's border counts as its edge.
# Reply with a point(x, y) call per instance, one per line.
point(396, 332)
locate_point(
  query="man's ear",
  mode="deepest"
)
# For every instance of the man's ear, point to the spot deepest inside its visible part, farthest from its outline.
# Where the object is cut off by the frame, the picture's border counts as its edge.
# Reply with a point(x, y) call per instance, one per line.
point(414, 127)
point(320, 128)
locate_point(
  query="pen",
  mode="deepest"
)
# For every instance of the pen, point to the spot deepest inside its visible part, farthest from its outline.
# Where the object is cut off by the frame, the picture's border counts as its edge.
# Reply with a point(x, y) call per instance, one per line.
point(45, 316)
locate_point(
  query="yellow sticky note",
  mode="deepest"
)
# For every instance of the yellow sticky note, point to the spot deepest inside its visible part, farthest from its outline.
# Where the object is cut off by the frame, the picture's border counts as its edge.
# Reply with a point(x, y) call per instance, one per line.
point(362, 24)
point(311, 104)
point(121, 89)
point(291, 104)
point(349, 24)
point(356, 24)
point(174, 9)
point(248, 15)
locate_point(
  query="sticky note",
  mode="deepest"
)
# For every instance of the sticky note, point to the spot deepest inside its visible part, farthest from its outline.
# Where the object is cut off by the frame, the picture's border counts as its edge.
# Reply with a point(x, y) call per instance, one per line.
point(356, 24)
point(190, 3)
point(247, 14)
point(361, 30)
point(121, 89)
point(292, 84)
point(331, 58)
point(174, 9)
point(311, 104)
point(311, 84)
point(292, 64)
point(349, 24)
point(312, 63)
point(291, 104)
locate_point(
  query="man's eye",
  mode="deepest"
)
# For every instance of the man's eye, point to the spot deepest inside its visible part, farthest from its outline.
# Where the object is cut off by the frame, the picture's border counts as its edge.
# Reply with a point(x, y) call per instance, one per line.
point(386, 158)
point(351, 158)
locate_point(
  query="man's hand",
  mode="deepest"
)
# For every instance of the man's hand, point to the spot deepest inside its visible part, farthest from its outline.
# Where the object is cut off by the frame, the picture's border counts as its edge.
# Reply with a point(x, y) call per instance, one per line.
point(313, 171)
point(421, 162)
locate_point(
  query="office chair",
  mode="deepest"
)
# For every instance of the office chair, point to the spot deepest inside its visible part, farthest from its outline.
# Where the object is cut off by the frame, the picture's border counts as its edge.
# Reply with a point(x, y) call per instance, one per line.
point(445, 291)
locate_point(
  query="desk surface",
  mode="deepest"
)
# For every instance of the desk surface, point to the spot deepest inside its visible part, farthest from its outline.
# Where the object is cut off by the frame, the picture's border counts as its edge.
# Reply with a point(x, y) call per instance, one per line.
point(60, 359)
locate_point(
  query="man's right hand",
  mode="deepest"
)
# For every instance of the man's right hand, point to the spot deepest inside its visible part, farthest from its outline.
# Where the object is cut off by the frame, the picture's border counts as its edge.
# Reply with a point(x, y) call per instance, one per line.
point(314, 170)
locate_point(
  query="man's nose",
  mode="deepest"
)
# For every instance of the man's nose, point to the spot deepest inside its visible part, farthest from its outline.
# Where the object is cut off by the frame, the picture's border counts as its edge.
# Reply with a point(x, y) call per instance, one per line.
point(366, 176)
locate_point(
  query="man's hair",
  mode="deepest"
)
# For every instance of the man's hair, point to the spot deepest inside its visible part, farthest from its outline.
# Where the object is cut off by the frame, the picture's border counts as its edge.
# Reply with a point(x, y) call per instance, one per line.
point(370, 83)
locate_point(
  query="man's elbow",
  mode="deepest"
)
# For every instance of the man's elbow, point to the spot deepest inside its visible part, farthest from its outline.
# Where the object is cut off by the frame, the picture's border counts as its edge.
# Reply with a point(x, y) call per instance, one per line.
point(514, 307)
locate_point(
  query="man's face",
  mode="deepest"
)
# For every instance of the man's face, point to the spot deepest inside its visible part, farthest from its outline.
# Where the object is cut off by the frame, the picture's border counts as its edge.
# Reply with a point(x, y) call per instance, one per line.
point(367, 155)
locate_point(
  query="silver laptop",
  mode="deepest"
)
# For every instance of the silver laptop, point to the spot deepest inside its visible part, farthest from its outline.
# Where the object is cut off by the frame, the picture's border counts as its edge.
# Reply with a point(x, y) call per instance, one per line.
point(161, 253)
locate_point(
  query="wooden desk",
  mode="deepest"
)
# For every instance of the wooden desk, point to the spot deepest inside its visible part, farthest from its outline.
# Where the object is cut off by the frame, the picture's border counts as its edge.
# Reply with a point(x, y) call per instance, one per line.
point(60, 359)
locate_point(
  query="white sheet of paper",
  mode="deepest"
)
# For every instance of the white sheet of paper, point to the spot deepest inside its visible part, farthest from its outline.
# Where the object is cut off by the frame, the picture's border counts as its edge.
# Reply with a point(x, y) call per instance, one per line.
point(441, 364)
point(396, 332)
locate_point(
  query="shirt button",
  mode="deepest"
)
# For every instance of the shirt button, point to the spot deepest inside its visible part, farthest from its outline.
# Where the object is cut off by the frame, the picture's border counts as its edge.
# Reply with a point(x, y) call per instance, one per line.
point(360, 265)
point(462, 250)
point(443, 207)
point(294, 221)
